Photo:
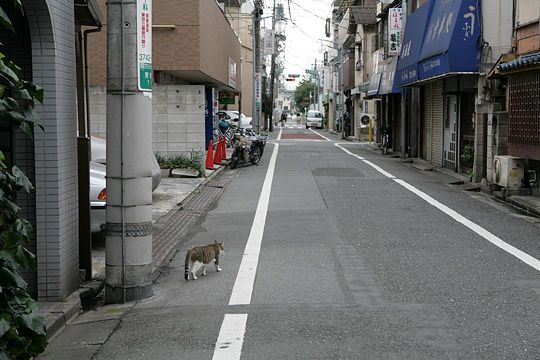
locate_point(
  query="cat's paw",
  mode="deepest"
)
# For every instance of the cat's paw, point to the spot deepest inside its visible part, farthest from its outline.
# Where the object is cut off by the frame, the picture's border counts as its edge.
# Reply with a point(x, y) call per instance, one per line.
point(194, 277)
point(219, 269)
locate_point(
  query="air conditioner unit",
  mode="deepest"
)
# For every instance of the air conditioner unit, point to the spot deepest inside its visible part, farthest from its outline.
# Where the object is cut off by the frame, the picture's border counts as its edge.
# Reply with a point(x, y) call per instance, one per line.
point(509, 171)
point(364, 120)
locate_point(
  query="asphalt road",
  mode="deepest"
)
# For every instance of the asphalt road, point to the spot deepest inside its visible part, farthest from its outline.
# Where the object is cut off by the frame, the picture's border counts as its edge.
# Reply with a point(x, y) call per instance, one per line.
point(342, 261)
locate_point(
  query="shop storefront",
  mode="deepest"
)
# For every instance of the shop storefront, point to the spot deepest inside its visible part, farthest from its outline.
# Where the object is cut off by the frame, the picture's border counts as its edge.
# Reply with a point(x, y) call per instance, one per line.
point(415, 129)
point(444, 61)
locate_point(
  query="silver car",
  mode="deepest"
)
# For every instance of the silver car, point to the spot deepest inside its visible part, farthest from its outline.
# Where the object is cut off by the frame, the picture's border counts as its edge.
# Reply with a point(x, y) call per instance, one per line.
point(98, 196)
point(98, 191)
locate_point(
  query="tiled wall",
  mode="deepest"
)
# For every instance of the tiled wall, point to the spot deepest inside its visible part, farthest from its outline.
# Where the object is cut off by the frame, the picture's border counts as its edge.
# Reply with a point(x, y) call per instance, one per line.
point(178, 124)
point(178, 117)
point(52, 29)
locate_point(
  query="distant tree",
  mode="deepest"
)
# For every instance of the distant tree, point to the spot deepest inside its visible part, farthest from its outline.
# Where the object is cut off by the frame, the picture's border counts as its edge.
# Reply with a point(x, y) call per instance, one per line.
point(302, 94)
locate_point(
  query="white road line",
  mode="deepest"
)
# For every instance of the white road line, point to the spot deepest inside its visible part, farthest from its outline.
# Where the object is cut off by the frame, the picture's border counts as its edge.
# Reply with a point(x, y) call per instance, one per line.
point(279, 135)
point(526, 258)
point(348, 152)
point(243, 286)
point(521, 255)
point(324, 137)
point(233, 328)
point(231, 337)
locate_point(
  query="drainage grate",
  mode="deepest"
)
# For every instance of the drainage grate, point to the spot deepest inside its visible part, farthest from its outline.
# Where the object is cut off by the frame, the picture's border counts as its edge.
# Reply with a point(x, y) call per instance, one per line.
point(204, 199)
point(215, 184)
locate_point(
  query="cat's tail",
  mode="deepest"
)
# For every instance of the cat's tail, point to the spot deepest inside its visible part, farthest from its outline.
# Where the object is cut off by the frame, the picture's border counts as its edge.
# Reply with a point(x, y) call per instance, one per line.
point(188, 261)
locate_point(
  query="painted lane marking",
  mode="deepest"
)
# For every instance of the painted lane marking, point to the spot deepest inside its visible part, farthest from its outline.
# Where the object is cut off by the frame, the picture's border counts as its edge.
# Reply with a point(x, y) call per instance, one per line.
point(243, 286)
point(279, 135)
point(324, 137)
point(231, 337)
point(233, 328)
point(495, 240)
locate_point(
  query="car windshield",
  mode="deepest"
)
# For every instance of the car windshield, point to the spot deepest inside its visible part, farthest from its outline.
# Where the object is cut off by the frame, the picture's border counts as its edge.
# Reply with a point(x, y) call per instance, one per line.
point(314, 114)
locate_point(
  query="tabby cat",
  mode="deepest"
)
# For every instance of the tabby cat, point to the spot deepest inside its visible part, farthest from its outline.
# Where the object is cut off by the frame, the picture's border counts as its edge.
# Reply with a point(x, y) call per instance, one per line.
point(201, 256)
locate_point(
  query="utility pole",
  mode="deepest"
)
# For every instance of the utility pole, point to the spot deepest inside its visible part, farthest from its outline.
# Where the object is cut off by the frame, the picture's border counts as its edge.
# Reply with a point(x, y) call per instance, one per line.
point(273, 70)
point(257, 68)
point(316, 88)
point(341, 95)
point(128, 255)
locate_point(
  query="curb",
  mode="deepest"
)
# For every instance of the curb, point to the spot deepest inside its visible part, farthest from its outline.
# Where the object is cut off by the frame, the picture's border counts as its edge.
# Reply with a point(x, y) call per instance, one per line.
point(62, 313)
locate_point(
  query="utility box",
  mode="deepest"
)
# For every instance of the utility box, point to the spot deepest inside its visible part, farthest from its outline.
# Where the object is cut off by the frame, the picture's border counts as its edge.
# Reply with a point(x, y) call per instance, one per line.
point(509, 171)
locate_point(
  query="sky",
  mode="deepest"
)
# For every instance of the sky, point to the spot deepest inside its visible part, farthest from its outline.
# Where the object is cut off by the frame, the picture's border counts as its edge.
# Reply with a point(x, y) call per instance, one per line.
point(304, 33)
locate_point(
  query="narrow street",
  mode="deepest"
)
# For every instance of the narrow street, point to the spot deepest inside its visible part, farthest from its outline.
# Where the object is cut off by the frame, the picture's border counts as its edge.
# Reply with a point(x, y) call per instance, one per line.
point(346, 254)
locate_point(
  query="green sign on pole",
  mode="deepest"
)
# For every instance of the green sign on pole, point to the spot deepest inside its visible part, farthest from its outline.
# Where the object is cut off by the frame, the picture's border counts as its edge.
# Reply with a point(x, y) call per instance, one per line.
point(144, 44)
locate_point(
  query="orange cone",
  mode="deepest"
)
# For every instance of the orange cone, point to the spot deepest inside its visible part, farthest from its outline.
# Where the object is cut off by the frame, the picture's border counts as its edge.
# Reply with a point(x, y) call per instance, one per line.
point(223, 148)
point(210, 157)
point(218, 156)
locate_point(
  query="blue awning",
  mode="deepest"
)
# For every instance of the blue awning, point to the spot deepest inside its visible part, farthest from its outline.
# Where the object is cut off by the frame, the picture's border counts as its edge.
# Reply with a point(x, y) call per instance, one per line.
point(450, 42)
point(417, 22)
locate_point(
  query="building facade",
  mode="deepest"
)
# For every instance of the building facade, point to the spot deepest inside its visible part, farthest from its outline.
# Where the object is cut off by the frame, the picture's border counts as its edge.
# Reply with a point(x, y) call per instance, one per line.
point(196, 66)
point(45, 47)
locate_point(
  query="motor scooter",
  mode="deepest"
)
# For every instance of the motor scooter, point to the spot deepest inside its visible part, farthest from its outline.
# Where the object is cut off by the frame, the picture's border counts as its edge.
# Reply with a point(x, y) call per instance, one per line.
point(248, 147)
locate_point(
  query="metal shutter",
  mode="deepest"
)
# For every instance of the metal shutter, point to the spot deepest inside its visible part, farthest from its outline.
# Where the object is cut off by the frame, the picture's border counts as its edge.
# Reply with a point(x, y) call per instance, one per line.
point(427, 113)
point(433, 122)
point(437, 124)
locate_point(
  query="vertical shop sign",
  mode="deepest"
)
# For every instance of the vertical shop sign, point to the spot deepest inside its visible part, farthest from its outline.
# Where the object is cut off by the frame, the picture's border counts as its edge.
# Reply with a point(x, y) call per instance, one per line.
point(144, 44)
point(395, 31)
point(258, 94)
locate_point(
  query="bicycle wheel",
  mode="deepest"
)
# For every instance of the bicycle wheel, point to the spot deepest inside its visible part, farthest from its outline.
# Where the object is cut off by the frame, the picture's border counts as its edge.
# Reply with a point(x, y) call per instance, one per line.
point(234, 160)
point(255, 157)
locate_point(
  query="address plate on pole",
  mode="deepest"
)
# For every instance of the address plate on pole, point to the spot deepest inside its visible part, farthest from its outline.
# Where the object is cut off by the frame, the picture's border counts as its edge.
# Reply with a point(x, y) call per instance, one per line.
point(144, 44)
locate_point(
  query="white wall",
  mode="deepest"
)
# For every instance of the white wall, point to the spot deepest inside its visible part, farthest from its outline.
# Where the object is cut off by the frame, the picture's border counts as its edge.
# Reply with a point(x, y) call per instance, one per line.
point(178, 117)
point(498, 22)
point(527, 11)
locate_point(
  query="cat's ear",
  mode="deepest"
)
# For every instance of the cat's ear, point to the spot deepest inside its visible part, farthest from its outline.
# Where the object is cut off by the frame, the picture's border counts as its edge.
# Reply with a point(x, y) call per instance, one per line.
point(215, 242)
point(221, 244)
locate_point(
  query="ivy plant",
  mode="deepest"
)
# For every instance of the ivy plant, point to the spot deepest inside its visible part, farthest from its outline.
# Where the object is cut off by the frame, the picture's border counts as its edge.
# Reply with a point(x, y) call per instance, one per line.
point(22, 330)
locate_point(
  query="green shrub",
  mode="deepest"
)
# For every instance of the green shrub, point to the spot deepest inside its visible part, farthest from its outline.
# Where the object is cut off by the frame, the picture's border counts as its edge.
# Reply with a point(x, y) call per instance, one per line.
point(193, 160)
point(467, 155)
point(22, 330)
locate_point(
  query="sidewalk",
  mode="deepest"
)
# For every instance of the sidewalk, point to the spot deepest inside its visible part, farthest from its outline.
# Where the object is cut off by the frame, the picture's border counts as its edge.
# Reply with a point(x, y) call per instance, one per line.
point(175, 208)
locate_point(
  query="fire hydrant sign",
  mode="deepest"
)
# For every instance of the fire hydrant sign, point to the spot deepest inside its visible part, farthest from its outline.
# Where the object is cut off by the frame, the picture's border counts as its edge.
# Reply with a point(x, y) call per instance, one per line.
point(144, 44)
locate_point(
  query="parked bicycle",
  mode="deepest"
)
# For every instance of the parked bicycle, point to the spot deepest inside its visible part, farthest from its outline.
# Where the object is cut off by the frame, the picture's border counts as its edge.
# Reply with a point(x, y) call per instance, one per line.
point(385, 140)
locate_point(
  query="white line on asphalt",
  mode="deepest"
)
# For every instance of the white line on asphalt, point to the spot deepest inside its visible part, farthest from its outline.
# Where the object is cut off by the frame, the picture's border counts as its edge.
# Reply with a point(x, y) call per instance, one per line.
point(231, 337)
point(526, 258)
point(243, 286)
point(321, 135)
point(279, 135)
point(521, 255)
point(348, 152)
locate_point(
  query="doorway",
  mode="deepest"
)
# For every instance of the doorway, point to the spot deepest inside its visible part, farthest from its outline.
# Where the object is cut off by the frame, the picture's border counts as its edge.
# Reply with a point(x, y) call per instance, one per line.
point(449, 132)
